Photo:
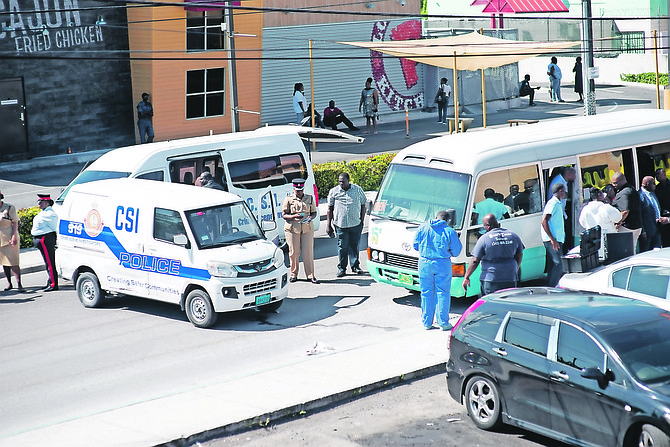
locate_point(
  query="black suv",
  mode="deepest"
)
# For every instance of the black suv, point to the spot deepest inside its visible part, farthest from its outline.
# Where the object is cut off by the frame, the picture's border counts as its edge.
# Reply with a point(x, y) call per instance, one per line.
point(583, 368)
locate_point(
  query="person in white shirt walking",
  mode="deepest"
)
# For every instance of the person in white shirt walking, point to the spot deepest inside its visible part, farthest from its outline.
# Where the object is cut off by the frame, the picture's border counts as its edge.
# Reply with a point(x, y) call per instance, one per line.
point(45, 228)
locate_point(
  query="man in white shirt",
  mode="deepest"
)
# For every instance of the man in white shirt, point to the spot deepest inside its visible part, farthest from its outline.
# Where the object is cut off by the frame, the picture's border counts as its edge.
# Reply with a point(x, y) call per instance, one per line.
point(45, 227)
point(597, 212)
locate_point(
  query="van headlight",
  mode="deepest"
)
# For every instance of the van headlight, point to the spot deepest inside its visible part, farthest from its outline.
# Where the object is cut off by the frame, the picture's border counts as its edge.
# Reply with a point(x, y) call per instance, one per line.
point(221, 269)
point(278, 259)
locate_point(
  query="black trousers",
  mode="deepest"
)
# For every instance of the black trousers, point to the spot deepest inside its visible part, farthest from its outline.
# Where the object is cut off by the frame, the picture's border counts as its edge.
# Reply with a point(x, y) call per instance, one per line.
point(332, 121)
point(46, 244)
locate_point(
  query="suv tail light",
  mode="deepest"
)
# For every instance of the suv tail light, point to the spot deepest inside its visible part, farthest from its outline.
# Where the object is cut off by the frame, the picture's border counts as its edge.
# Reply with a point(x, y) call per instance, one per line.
point(467, 312)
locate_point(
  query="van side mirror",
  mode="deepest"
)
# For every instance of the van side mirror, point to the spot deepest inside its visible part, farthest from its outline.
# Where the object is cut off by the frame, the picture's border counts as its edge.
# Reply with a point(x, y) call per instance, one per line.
point(180, 239)
point(597, 375)
point(268, 225)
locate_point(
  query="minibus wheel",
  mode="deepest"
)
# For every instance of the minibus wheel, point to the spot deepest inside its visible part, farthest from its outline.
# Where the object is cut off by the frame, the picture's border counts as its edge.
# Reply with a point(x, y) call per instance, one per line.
point(199, 309)
point(88, 290)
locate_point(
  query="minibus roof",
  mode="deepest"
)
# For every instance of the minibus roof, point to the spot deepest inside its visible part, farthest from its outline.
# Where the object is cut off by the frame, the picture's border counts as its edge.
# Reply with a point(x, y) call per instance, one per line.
point(175, 196)
point(264, 140)
point(473, 152)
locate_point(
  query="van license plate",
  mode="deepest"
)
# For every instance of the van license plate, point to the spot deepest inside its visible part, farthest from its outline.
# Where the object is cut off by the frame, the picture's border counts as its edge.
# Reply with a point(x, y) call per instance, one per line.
point(263, 299)
point(404, 278)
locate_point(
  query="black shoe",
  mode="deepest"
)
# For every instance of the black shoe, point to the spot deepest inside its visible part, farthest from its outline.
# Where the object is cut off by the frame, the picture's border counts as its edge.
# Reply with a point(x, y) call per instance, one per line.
point(51, 289)
point(340, 273)
point(292, 279)
point(314, 281)
point(21, 290)
point(532, 104)
point(357, 270)
point(8, 288)
point(354, 128)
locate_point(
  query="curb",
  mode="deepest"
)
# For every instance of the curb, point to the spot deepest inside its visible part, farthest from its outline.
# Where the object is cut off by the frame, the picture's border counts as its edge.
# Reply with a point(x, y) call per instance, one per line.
point(265, 419)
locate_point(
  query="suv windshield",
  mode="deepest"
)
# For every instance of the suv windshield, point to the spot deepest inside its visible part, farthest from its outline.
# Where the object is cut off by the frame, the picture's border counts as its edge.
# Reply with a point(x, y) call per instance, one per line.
point(91, 176)
point(415, 194)
point(223, 225)
point(644, 347)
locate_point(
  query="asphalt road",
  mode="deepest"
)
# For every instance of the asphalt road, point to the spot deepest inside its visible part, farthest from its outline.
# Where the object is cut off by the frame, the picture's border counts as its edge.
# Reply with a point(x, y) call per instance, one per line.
point(414, 414)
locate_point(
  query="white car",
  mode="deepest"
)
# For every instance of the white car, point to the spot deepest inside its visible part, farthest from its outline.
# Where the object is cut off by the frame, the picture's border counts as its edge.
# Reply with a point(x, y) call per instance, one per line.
point(645, 276)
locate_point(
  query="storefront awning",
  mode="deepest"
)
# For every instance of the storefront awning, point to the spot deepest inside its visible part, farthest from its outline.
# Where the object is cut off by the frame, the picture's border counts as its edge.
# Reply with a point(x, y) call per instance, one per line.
point(521, 6)
point(473, 51)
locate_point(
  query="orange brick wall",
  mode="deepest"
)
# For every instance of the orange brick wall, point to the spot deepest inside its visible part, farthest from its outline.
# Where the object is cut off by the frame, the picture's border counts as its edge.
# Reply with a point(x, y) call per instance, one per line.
point(163, 30)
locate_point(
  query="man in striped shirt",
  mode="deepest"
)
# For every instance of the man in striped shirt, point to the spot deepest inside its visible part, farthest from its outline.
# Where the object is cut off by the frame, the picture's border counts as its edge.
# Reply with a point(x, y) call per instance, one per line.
point(346, 213)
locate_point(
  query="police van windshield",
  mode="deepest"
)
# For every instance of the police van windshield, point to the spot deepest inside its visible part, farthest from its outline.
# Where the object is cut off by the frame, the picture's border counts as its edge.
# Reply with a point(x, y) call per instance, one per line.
point(223, 225)
point(415, 194)
point(91, 176)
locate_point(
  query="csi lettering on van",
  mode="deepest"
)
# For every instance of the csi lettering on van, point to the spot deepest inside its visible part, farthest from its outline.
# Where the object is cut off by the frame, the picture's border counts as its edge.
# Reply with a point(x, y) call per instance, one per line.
point(265, 204)
point(131, 221)
point(150, 263)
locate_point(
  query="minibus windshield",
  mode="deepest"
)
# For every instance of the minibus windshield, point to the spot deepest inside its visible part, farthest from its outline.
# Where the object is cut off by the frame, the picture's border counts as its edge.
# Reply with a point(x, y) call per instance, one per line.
point(415, 194)
point(91, 176)
point(223, 225)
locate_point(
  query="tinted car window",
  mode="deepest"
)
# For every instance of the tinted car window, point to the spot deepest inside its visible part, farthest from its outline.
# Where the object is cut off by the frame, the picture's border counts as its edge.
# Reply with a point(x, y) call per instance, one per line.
point(650, 280)
point(529, 335)
point(578, 350)
point(167, 223)
point(620, 278)
point(260, 173)
point(485, 324)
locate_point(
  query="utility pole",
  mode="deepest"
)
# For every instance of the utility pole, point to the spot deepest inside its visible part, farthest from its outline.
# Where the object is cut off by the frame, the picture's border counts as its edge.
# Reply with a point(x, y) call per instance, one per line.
point(232, 70)
point(588, 65)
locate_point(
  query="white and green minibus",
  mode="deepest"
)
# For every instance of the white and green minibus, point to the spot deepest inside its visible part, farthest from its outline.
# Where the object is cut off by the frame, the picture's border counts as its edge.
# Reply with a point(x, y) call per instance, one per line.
point(453, 171)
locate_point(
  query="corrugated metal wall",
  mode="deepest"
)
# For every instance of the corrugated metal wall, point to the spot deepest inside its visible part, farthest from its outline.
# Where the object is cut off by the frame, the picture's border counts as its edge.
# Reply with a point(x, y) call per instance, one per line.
point(339, 70)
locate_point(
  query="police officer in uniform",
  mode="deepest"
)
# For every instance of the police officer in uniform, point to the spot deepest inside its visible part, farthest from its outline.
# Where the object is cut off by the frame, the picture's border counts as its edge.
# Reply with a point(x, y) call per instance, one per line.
point(298, 211)
point(45, 227)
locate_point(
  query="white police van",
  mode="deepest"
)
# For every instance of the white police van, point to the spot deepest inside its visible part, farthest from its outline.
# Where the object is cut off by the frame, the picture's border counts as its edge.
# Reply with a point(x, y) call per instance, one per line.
point(204, 251)
point(258, 165)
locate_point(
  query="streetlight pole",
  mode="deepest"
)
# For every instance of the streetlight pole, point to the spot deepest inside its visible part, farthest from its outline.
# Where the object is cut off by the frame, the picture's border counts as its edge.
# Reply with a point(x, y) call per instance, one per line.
point(232, 71)
point(588, 75)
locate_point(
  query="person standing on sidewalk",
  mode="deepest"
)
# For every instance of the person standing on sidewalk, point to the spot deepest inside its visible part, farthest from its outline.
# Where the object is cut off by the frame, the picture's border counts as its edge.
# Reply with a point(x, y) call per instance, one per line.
point(369, 104)
point(299, 104)
point(298, 211)
point(346, 212)
point(45, 227)
point(579, 83)
point(10, 241)
point(555, 76)
point(436, 243)
point(500, 252)
point(145, 114)
point(553, 232)
point(442, 100)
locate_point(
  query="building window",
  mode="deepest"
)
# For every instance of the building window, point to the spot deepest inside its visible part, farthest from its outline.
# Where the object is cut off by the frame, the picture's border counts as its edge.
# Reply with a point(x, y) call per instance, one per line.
point(203, 31)
point(630, 42)
point(204, 93)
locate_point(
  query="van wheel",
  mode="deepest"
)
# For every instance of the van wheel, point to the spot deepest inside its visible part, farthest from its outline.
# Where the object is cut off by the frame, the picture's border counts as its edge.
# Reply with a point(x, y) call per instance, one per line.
point(482, 400)
point(88, 290)
point(199, 309)
point(653, 437)
point(271, 307)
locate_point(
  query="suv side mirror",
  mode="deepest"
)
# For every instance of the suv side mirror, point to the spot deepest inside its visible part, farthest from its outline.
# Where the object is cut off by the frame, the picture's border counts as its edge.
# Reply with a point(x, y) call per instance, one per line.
point(180, 239)
point(268, 225)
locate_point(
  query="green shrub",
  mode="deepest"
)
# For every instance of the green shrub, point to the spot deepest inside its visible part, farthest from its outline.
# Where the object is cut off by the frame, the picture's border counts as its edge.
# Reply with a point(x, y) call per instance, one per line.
point(26, 216)
point(645, 78)
point(367, 174)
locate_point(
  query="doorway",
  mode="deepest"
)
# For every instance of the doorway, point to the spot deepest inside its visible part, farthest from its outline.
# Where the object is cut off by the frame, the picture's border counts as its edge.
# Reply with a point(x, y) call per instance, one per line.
point(13, 132)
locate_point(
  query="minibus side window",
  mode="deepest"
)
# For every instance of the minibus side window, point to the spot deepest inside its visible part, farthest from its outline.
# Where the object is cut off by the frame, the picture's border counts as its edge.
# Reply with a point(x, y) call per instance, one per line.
point(260, 173)
point(506, 193)
point(167, 223)
point(651, 159)
point(154, 175)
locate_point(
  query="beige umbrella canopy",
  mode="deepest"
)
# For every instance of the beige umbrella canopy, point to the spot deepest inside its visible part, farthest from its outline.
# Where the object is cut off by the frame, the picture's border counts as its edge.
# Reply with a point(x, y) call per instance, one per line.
point(472, 51)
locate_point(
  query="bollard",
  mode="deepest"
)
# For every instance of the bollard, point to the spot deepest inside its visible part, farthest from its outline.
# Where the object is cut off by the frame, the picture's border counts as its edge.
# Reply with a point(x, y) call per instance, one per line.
point(407, 122)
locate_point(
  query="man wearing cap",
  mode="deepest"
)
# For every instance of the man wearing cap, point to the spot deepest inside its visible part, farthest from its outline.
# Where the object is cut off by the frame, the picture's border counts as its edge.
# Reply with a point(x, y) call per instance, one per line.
point(298, 210)
point(45, 226)
point(346, 212)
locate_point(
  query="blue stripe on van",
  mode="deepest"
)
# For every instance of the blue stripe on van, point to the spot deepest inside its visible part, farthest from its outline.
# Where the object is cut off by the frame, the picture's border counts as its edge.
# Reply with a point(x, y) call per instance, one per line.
point(134, 261)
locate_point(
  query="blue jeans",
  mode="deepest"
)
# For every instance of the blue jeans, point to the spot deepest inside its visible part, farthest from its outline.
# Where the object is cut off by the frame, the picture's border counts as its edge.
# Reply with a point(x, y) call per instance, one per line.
point(435, 282)
point(347, 246)
point(556, 90)
point(493, 286)
point(442, 111)
point(556, 267)
point(146, 129)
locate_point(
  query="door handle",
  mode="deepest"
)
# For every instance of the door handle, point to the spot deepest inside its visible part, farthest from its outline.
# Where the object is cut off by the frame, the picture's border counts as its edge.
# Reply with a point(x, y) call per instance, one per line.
point(560, 376)
point(500, 351)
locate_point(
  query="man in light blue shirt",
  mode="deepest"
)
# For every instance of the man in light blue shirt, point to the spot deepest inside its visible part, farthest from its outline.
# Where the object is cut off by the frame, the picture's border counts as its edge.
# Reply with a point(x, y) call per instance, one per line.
point(490, 206)
point(553, 232)
point(555, 77)
point(45, 227)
